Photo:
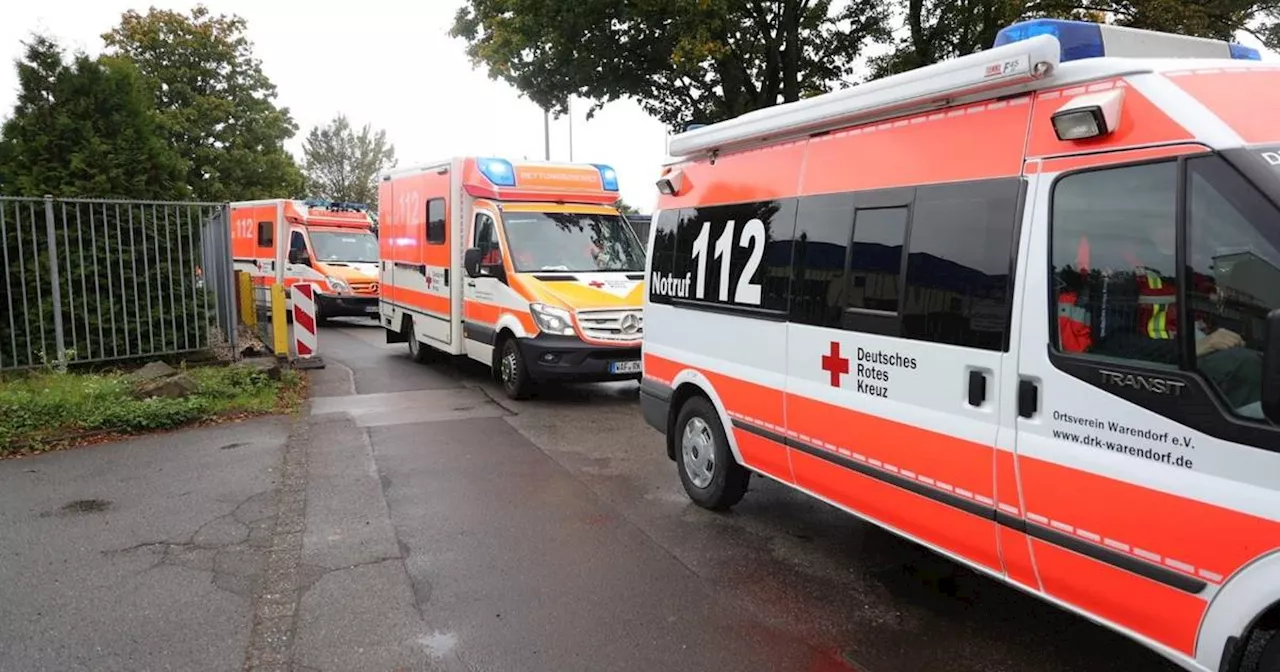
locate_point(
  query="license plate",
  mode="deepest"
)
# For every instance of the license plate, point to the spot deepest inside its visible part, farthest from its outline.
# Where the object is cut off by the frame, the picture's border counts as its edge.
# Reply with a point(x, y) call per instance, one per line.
point(371, 309)
point(632, 366)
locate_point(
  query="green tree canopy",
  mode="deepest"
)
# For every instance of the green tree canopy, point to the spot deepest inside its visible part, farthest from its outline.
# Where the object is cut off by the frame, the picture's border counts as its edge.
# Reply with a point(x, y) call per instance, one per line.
point(215, 103)
point(935, 30)
point(625, 208)
point(85, 128)
point(343, 165)
point(682, 60)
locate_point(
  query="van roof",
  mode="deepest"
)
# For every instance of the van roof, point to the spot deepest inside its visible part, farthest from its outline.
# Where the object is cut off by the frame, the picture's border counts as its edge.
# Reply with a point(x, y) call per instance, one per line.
point(1027, 64)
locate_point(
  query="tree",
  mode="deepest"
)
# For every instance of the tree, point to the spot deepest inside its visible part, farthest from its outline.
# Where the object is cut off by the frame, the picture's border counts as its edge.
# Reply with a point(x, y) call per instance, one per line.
point(85, 128)
point(88, 128)
point(682, 60)
point(936, 30)
point(625, 208)
point(215, 103)
point(343, 165)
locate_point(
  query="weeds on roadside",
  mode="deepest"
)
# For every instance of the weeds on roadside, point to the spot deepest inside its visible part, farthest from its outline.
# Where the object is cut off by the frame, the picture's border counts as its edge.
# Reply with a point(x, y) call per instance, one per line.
point(49, 406)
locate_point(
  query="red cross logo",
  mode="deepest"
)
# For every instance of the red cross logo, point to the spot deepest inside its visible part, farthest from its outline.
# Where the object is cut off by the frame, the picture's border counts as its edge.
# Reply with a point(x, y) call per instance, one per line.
point(596, 283)
point(835, 364)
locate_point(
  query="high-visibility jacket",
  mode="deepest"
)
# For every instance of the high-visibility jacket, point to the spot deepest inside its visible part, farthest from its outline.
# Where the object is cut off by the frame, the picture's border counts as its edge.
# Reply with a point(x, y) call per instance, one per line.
point(1157, 305)
point(1075, 329)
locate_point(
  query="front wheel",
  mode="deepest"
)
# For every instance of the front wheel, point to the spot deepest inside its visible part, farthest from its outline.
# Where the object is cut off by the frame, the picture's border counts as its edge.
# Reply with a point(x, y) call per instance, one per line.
point(1262, 652)
point(512, 370)
point(710, 475)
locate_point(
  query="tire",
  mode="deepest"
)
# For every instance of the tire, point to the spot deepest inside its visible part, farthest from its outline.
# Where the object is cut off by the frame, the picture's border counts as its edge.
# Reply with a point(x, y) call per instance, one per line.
point(712, 478)
point(511, 370)
point(419, 352)
point(1262, 652)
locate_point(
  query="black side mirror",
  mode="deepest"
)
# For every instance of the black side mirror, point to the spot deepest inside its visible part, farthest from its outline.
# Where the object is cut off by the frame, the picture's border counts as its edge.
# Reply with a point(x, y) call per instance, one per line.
point(299, 257)
point(1271, 369)
point(471, 261)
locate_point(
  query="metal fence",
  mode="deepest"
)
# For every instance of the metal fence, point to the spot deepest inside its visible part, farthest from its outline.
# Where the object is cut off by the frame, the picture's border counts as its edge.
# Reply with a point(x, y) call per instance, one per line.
point(92, 280)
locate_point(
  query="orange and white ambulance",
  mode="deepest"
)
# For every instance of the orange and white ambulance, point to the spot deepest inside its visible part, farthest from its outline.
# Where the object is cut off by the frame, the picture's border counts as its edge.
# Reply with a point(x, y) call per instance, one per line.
point(330, 244)
point(526, 267)
point(1019, 307)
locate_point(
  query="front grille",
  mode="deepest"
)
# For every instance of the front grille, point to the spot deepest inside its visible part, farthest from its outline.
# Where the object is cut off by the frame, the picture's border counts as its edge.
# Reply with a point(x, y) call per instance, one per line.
point(607, 325)
point(364, 287)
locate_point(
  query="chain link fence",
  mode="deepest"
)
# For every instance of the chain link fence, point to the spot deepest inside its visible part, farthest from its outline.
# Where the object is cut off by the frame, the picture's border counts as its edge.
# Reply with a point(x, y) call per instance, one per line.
point(92, 280)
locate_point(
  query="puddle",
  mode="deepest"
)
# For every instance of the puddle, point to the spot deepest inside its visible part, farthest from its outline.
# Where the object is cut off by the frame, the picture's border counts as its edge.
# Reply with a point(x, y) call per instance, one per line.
point(440, 644)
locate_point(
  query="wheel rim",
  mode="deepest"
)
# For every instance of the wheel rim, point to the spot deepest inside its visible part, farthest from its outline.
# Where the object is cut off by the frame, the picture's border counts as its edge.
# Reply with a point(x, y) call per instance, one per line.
point(697, 445)
point(509, 366)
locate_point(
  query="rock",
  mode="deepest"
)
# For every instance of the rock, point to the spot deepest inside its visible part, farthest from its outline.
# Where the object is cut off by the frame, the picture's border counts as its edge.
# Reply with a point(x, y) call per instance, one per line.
point(267, 365)
point(153, 370)
point(175, 386)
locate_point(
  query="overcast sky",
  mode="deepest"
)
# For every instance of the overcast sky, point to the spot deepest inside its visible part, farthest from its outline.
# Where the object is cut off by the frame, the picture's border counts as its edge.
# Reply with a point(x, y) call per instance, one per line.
point(390, 63)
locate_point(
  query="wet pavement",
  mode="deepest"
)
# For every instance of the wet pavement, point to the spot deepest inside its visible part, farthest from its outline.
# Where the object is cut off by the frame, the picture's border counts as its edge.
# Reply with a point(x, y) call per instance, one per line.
point(553, 534)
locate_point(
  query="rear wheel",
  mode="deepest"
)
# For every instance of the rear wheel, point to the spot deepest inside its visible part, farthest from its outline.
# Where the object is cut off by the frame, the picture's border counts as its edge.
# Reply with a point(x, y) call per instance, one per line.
point(420, 353)
point(710, 475)
point(512, 370)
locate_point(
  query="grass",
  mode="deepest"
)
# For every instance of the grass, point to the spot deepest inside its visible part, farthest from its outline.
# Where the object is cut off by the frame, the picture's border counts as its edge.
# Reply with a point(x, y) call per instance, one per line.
point(43, 410)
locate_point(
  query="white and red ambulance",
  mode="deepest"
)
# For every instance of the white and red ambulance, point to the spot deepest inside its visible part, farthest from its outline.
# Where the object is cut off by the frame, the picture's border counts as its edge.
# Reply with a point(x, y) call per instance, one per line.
point(1019, 307)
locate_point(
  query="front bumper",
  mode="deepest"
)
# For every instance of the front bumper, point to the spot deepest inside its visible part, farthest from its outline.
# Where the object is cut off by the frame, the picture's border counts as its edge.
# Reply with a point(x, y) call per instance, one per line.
point(568, 358)
point(347, 305)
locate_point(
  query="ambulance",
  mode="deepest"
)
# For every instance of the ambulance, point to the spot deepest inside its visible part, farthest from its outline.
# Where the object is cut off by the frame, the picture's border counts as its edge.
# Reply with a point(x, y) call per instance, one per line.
point(327, 243)
point(1019, 307)
point(527, 267)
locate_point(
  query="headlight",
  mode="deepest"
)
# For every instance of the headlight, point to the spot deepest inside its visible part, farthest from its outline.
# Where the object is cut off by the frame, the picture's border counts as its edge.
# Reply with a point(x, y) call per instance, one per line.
point(338, 284)
point(552, 320)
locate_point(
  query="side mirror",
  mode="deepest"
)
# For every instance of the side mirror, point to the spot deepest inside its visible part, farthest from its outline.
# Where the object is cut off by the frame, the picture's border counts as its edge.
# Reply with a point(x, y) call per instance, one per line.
point(471, 261)
point(299, 257)
point(1271, 369)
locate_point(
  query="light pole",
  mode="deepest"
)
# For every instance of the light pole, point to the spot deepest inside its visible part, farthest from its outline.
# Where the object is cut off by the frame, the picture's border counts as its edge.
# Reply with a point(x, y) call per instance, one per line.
point(569, 105)
point(546, 134)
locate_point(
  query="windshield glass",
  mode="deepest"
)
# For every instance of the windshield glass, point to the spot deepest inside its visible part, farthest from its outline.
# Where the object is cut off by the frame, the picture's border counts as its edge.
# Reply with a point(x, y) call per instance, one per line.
point(356, 246)
point(558, 241)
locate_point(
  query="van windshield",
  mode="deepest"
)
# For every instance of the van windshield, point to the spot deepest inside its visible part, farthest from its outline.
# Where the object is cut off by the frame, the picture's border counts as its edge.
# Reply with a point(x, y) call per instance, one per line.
point(356, 246)
point(580, 243)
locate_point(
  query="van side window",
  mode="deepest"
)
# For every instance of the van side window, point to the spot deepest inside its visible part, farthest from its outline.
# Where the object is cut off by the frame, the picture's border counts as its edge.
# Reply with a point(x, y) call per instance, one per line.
point(875, 262)
point(1233, 259)
point(297, 243)
point(486, 235)
point(266, 234)
point(436, 230)
point(1114, 275)
point(824, 226)
point(960, 263)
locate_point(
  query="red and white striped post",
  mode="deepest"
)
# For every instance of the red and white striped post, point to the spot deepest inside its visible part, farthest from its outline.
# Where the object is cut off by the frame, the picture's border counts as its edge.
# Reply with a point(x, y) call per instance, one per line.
point(305, 339)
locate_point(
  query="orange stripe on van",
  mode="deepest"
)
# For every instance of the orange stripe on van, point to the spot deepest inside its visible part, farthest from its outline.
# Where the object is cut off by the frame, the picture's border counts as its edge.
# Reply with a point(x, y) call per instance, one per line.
point(753, 175)
point(1147, 607)
point(981, 141)
point(946, 527)
point(950, 462)
point(1181, 533)
point(413, 298)
point(1142, 123)
point(1245, 99)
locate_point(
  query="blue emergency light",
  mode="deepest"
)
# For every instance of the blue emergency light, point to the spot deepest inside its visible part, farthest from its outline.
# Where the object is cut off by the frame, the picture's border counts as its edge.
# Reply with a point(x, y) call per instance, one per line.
point(608, 177)
point(1081, 39)
point(499, 171)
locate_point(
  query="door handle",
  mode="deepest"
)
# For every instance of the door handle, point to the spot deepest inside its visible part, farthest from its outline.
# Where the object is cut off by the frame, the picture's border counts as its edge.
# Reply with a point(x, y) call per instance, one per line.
point(471, 283)
point(1028, 398)
point(977, 388)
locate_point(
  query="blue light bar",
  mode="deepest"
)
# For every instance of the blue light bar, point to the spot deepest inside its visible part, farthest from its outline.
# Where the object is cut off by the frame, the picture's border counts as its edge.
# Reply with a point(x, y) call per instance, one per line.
point(1243, 53)
point(499, 171)
point(608, 177)
point(1079, 39)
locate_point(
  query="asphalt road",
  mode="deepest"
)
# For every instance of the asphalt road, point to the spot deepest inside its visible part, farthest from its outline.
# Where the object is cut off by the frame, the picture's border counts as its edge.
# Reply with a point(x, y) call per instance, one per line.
point(553, 534)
